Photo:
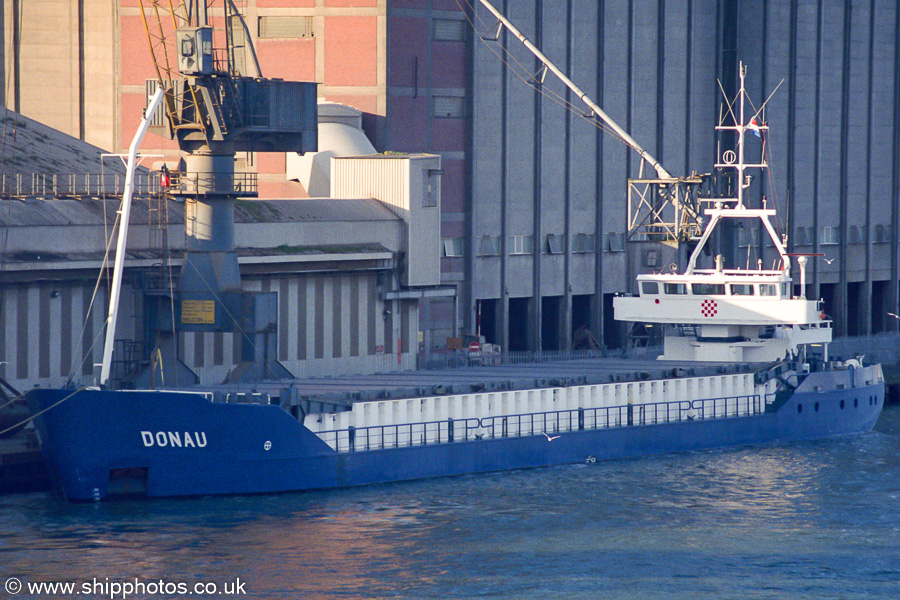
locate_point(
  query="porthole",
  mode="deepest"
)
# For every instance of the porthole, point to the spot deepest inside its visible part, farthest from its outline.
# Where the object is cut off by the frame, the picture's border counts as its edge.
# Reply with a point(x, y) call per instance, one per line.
point(816, 407)
point(842, 405)
point(799, 408)
point(856, 403)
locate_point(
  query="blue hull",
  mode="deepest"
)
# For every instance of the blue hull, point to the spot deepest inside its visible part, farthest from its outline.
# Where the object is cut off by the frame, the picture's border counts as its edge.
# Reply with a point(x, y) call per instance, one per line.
point(182, 444)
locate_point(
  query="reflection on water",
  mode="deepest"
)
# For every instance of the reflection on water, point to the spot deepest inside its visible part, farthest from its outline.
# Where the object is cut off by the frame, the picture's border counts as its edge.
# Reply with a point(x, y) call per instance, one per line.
point(800, 521)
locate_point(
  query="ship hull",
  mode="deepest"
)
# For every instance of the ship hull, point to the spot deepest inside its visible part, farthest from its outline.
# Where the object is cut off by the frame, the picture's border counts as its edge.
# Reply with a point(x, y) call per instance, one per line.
point(104, 443)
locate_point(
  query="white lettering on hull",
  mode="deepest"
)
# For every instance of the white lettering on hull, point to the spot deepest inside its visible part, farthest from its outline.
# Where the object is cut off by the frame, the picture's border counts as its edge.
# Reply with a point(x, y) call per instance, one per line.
point(174, 439)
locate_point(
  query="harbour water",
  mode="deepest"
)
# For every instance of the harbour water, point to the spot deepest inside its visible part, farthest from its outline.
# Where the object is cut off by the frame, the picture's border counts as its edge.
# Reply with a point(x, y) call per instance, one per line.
point(811, 520)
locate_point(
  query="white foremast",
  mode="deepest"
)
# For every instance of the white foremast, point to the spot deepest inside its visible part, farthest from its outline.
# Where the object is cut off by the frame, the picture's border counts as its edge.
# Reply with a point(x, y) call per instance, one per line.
point(125, 215)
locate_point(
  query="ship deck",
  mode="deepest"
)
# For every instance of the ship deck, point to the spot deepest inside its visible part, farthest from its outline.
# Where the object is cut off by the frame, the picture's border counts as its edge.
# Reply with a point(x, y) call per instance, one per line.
point(347, 389)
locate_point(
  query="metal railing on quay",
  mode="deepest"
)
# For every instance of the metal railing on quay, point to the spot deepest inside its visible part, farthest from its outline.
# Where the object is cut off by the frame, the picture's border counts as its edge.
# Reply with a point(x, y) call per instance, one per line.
point(239, 183)
point(553, 423)
point(459, 358)
point(111, 185)
point(66, 185)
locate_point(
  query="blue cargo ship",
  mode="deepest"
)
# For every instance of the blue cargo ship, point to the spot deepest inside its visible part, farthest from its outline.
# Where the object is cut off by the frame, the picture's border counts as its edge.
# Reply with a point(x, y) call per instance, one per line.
point(100, 442)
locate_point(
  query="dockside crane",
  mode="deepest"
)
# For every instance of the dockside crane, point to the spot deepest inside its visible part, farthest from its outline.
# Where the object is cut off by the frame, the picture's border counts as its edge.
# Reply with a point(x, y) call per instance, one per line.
point(212, 110)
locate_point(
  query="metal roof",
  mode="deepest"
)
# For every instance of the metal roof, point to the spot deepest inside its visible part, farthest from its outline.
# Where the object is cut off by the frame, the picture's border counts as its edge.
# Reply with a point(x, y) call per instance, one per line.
point(40, 212)
point(27, 146)
point(313, 209)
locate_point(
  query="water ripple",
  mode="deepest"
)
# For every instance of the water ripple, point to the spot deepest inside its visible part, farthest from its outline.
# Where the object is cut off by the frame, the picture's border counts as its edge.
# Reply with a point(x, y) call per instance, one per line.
point(813, 520)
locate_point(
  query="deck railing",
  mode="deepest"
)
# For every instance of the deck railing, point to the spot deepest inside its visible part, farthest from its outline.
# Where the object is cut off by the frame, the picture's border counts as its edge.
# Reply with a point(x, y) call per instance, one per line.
point(380, 437)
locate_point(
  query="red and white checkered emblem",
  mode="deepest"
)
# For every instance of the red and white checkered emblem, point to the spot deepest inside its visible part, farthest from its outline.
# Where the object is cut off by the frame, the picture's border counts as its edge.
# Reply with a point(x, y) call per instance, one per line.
point(709, 308)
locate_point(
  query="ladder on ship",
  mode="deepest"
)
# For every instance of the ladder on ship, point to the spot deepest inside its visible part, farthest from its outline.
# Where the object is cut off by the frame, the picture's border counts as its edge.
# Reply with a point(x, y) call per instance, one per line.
point(158, 223)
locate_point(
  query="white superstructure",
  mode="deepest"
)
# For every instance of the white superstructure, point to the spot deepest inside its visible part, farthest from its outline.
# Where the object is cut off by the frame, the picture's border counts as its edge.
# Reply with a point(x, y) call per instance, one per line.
point(723, 314)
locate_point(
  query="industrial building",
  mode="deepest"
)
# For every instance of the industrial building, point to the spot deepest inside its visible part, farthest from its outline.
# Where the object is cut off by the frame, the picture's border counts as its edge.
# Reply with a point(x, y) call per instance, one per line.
point(347, 273)
point(534, 232)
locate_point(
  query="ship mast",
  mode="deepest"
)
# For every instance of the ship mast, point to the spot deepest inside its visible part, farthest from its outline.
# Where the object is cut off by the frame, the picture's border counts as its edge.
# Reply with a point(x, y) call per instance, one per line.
point(731, 160)
point(124, 217)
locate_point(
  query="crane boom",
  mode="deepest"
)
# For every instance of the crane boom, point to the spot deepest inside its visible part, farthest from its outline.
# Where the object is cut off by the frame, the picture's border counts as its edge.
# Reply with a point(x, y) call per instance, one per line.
point(660, 170)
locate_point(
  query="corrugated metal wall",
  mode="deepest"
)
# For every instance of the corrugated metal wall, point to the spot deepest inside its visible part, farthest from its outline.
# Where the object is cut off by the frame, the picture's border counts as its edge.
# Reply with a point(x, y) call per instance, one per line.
point(40, 332)
point(328, 323)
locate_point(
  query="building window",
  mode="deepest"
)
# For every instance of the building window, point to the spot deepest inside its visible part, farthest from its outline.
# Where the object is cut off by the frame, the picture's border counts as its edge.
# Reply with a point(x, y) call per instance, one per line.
point(449, 107)
point(489, 245)
point(453, 246)
point(882, 234)
point(285, 27)
point(615, 242)
point(554, 244)
point(830, 236)
point(450, 30)
point(803, 237)
point(584, 242)
point(521, 244)
point(430, 191)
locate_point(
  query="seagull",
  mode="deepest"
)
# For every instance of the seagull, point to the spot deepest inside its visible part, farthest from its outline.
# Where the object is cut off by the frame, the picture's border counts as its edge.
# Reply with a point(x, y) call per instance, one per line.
point(549, 439)
point(828, 260)
point(893, 315)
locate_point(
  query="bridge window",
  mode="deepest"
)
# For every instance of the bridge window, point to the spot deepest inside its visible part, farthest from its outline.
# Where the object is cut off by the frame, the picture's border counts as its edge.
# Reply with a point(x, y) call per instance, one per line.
point(741, 289)
point(708, 289)
point(677, 289)
point(767, 289)
point(649, 287)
